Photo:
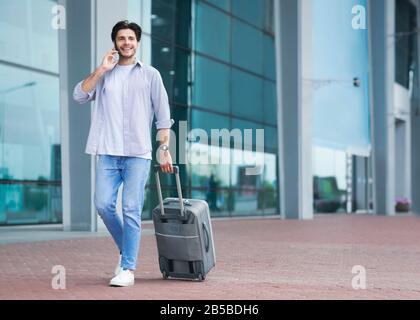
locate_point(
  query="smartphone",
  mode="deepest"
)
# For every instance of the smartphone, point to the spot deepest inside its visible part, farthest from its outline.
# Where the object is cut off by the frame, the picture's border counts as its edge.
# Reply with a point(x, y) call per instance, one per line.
point(116, 55)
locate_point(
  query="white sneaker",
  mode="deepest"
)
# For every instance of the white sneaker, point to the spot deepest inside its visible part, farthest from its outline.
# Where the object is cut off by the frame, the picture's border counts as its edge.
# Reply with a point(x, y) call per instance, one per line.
point(118, 267)
point(124, 279)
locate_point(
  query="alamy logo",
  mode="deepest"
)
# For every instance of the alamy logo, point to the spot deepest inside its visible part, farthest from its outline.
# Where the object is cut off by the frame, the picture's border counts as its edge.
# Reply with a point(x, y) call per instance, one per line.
point(59, 280)
point(359, 280)
point(359, 20)
point(59, 20)
point(216, 148)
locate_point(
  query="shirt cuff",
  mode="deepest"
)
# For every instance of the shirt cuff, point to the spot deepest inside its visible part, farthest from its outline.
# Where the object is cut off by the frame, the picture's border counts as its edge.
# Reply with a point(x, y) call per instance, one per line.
point(164, 124)
point(81, 93)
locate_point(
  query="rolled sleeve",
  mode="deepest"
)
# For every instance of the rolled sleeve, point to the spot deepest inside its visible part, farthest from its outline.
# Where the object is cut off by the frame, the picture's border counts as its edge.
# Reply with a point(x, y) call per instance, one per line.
point(164, 124)
point(160, 103)
point(80, 96)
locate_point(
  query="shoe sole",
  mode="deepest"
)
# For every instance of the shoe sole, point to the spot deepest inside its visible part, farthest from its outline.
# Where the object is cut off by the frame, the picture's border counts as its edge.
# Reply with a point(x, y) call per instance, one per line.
point(121, 284)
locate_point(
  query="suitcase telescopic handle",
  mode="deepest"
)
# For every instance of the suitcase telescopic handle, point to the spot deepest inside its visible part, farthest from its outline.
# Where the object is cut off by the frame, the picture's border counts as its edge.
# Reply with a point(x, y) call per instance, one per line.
point(178, 187)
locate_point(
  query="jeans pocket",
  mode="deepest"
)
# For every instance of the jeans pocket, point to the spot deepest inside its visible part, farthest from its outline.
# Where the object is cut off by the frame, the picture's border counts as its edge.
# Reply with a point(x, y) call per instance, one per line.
point(106, 162)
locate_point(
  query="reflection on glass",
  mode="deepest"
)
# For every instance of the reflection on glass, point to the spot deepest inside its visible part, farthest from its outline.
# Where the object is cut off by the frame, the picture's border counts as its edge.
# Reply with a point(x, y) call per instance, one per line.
point(163, 59)
point(267, 197)
point(217, 167)
point(170, 20)
point(246, 203)
point(29, 122)
point(246, 168)
point(164, 19)
point(172, 64)
point(26, 33)
point(30, 204)
point(249, 137)
point(329, 179)
point(218, 200)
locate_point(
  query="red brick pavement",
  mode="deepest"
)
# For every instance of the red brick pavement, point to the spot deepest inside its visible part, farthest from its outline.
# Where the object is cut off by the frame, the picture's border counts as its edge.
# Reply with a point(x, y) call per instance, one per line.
point(256, 259)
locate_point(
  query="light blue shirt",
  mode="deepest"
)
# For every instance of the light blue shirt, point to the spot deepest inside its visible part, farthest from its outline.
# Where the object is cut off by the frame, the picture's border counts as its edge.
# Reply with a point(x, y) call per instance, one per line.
point(126, 100)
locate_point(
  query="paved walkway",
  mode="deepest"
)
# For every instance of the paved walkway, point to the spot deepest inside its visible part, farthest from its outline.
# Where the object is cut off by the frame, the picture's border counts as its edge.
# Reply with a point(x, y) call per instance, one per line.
point(256, 259)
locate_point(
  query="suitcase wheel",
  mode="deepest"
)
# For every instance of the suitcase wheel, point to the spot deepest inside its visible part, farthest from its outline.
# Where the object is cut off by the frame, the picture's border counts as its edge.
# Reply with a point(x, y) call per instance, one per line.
point(164, 275)
point(201, 277)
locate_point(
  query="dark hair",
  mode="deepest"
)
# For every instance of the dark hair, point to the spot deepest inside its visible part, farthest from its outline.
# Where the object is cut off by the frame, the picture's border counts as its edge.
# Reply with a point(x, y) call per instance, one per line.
point(125, 24)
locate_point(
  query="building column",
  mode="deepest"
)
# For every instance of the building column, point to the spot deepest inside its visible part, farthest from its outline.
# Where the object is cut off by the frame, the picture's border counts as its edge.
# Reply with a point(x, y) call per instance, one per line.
point(293, 22)
point(75, 53)
point(415, 132)
point(382, 48)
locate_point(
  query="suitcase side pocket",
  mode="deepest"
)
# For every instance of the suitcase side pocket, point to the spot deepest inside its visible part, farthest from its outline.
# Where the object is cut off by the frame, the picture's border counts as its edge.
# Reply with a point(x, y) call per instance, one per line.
point(178, 241)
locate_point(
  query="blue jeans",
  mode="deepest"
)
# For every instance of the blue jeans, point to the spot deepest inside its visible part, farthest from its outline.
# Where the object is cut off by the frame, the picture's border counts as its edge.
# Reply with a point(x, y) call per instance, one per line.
point(133, 172)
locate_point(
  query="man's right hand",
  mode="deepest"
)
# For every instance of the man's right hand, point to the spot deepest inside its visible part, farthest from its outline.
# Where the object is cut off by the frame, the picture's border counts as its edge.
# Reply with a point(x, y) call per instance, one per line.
point(108, 63)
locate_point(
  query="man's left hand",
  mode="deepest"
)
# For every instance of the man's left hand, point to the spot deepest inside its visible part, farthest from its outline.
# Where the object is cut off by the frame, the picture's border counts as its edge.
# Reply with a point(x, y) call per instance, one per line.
point(165, 161)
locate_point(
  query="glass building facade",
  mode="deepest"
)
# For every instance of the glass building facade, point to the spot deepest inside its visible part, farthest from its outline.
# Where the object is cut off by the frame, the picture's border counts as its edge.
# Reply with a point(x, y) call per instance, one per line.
point(30, 171)
point(216, 59)
point(217, 62)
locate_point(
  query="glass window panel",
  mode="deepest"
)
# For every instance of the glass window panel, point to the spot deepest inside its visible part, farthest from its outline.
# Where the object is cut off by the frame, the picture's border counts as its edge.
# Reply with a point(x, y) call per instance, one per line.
point(218, 201)
point(30, 204)
point(247, 140)
point(30, 124)
point(267, 200)
point(164, 19)
point(242, 162)
point(247, 95)
point(163, 59)
point(26, 33)
point(215, 174)
point(205, 150)
point(249, 10)
point(212, 32)
point(181, 76)
point(269, 58)
point(173, 65)
point(246, 203)
point(405, 58)
point(268, 194)
point(270, 103)
point(223, 4)
point(270, 170)
point(270, 138)
point(207, 121)
point(211, 85)
point(329, 178)
point(247, 47)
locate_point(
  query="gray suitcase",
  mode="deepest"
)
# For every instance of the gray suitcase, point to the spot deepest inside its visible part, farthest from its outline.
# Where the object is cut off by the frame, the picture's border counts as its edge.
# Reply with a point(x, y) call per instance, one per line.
point(184, 235)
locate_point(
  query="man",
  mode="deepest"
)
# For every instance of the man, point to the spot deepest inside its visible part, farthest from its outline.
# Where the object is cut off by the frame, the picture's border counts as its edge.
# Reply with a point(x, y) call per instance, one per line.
point(127, 95)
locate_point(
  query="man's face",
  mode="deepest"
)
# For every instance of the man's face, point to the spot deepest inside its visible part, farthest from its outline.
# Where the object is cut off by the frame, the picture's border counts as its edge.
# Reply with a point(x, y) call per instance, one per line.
point(126, 43)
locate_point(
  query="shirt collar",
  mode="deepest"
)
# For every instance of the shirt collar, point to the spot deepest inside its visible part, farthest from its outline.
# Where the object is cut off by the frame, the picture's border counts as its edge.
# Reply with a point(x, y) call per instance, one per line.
point(139, 62)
